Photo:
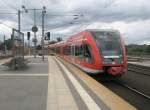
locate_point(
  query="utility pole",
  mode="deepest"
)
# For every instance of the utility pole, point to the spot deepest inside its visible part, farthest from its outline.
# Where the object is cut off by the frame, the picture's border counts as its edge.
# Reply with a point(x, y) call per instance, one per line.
point(29, 48)
point(4, 45)
point(35, 33)
point(19, 12)
point(43, 13)
point(21, 48)
point(19, 27)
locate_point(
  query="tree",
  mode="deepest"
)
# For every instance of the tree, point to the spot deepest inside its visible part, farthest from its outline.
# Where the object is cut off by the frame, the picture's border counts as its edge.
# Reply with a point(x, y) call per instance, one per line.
point(1, 46)
point(8, 44)
point(148, 49)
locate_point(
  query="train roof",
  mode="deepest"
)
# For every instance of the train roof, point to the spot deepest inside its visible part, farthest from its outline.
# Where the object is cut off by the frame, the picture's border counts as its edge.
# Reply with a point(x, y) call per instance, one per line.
point(101, 30)
point(87, 30)
point(93, 30)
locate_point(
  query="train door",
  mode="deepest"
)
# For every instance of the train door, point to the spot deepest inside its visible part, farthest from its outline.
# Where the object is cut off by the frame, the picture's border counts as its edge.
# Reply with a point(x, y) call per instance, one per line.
point(87, 53)
point(73, 52)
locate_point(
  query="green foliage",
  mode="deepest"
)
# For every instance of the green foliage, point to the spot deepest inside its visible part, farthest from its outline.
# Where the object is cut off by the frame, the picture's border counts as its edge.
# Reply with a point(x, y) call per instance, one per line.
point(8, 44)
point(138, 49)
point(148, 49)
point(1, 46)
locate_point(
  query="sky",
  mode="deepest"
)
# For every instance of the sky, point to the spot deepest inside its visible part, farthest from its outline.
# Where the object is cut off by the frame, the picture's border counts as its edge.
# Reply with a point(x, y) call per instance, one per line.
point(130, 17)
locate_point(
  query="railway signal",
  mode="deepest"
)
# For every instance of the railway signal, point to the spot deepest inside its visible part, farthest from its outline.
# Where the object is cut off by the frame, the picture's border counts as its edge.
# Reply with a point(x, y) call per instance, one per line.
point(28, 35)
point(47, 36)
point(28, 38)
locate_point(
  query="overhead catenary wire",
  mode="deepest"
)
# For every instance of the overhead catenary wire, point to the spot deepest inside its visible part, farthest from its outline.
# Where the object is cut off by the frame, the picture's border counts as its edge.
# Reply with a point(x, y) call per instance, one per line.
point(7, 13)
point(8, 5)
point(68, 23)
point(1, 22)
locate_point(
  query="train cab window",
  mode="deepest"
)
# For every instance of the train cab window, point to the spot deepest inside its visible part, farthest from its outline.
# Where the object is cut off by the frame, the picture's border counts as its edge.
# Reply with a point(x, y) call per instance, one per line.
point(109, 44)
point(87, 54)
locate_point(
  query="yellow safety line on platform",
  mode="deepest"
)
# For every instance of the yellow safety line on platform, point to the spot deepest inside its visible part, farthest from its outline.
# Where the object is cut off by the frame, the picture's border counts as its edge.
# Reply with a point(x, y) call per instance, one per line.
point(91, 104)
point(112, 100)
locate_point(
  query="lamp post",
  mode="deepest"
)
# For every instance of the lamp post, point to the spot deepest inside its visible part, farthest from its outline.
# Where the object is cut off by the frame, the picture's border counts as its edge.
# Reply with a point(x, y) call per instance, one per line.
point(4, 45)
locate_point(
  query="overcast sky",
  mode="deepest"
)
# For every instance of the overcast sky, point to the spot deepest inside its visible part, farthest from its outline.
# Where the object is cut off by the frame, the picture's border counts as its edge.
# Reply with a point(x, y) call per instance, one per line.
point(130, 17)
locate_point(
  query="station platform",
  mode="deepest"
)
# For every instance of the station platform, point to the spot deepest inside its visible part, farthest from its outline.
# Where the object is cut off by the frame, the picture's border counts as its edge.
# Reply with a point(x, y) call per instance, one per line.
point(69, 88)
point(4, 60)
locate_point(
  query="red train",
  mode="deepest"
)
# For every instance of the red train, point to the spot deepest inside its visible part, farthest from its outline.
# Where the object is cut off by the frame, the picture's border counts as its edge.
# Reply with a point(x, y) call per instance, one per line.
point(94, 51)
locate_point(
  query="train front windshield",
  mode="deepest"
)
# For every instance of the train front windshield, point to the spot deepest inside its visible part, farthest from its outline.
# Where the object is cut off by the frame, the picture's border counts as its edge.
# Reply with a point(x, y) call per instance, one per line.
point(109, 44)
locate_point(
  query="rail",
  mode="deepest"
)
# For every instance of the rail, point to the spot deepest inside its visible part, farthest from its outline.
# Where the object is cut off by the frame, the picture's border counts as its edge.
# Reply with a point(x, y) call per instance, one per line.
point(139, 69)
point(131, 58)
point(132, 89)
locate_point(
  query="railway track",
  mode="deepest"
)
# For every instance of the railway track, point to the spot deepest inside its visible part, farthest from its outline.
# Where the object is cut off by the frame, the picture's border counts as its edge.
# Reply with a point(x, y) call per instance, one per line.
point(139, 69)
point(129, 90)
point(132, 95)
point(124, 85)
point(132, 89)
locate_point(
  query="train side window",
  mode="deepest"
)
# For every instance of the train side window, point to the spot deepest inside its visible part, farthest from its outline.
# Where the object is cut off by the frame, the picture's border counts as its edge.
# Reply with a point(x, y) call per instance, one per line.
point(87, 53)
point(65, 53)
point(67, 50)
point(57, 50)
point(78, 50)
point(72, 50)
